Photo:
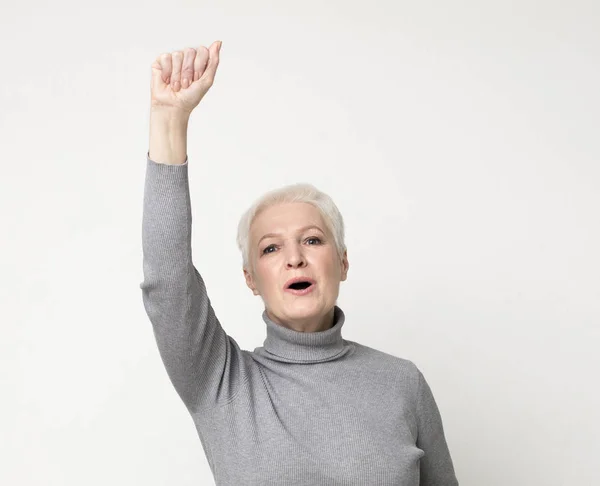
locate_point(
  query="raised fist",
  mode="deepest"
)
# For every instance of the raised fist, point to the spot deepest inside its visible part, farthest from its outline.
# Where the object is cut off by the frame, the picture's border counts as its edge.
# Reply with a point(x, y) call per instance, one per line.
point(181, 79)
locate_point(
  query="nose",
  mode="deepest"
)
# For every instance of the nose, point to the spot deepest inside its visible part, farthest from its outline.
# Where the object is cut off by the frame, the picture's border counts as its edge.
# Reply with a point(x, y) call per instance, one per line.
point(295, 258)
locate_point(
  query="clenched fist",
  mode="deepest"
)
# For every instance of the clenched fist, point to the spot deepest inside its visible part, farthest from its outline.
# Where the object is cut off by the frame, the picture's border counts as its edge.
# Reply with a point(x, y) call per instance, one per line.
point(181, 79)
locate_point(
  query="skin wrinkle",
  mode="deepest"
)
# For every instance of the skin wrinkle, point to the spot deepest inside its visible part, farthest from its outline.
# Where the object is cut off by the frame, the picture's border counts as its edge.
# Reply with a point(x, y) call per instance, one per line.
point(295, 254)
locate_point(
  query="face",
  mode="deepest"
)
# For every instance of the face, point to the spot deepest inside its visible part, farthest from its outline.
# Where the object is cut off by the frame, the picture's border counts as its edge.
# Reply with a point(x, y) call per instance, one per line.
point(295, 252)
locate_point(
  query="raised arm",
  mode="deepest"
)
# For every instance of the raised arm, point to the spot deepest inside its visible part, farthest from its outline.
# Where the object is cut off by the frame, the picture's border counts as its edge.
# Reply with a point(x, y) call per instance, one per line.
point(204, 364)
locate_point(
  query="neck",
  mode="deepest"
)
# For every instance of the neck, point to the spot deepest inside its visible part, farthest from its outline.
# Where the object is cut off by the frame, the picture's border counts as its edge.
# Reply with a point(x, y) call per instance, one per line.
point(312, 324)
point(289, 346)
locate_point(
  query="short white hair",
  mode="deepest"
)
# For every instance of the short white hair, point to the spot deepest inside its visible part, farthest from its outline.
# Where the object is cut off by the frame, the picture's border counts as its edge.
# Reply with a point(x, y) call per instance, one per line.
point(299, 192)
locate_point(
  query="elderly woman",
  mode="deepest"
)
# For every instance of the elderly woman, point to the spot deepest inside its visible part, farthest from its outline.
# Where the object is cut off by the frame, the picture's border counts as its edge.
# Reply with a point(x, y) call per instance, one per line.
point(308, 407)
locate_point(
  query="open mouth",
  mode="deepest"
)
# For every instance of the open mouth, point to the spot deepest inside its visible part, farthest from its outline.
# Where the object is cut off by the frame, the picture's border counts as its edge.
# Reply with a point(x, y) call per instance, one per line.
point(300, 288)
point(299, 285)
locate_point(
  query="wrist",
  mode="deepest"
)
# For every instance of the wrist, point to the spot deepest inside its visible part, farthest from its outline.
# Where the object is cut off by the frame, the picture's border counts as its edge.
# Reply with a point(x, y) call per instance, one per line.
point(170, 116)
point(168, 136)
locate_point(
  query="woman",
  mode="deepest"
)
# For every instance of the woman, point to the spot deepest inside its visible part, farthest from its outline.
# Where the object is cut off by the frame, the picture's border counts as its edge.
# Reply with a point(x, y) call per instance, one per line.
point(309, 407)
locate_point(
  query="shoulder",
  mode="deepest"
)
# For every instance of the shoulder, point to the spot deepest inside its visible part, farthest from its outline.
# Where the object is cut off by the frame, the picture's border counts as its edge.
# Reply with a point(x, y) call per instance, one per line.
point(402, 369)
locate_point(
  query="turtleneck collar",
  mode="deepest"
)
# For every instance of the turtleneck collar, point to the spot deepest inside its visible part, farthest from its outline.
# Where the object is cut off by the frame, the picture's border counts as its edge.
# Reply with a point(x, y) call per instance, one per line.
point(287, 345)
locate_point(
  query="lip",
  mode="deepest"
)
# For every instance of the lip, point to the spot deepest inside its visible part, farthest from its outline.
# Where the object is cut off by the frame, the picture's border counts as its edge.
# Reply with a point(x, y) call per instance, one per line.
point(305, 291)
point(299, 292)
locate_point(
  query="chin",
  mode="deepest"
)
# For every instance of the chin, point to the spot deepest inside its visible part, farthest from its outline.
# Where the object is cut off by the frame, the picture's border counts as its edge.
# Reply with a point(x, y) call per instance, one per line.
point(303, 308)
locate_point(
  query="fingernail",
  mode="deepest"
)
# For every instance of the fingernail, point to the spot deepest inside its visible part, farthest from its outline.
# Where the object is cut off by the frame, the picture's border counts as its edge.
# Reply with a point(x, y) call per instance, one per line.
point(176, 85)
point(185, 83)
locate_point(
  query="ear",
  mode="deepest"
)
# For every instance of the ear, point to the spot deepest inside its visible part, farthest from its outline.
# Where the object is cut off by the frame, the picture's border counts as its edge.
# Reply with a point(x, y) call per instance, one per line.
point(250, 282)
point(345, 266)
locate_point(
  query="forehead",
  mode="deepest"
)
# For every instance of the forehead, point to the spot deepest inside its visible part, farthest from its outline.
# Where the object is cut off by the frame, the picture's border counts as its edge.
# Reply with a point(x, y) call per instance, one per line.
point(286, 217)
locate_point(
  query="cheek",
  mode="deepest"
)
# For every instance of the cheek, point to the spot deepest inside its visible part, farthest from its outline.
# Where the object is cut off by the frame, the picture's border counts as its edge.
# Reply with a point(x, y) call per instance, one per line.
point(330, 261)
point(265, 276)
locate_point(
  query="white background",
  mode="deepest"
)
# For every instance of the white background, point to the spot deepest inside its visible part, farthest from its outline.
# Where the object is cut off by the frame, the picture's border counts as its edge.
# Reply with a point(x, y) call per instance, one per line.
point(460, 141)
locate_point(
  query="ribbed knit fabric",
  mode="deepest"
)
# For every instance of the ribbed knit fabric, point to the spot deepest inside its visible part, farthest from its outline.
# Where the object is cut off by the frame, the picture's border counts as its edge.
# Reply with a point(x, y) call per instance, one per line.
point(305, 409)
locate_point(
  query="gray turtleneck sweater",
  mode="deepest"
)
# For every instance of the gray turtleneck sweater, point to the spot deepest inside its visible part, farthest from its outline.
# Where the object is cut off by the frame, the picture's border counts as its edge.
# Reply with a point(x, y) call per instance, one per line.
point(305, 409)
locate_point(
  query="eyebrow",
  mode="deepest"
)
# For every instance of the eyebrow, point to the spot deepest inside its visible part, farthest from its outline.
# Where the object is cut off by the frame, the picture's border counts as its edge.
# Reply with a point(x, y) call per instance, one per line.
point(300, 230)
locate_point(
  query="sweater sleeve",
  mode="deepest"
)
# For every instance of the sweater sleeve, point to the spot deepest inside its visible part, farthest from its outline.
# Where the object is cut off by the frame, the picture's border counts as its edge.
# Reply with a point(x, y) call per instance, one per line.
point(204, 364)
point(436, 464)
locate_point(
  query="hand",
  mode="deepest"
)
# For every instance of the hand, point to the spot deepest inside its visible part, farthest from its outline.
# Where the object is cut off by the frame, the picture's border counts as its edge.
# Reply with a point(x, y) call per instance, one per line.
point(181, 79)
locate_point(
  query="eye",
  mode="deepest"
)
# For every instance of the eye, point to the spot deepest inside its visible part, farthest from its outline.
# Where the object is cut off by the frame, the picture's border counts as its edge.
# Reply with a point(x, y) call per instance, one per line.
point(265, 252)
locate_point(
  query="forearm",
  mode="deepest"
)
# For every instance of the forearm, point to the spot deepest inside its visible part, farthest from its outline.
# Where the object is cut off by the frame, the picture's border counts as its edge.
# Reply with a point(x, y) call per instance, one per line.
point(168, 136)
